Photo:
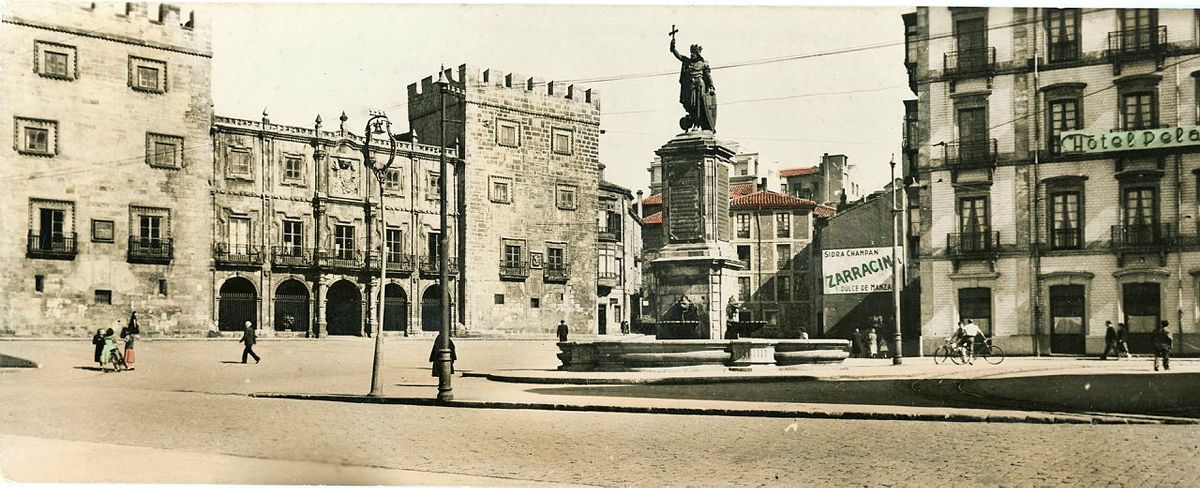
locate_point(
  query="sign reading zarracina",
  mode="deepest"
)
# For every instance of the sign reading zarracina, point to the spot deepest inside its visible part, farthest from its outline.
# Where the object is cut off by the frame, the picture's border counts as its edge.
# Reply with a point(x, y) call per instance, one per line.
point(1086, 142)
point(859, 270)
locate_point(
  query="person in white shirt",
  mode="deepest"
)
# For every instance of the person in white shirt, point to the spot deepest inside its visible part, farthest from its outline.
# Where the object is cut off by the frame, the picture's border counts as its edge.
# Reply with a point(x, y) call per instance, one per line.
point(970, 333)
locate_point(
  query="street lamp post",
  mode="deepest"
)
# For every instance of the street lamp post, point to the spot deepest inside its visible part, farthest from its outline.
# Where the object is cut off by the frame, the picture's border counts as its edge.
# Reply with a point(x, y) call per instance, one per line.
point(378, 124)
point(896, 208)
point(445, 355)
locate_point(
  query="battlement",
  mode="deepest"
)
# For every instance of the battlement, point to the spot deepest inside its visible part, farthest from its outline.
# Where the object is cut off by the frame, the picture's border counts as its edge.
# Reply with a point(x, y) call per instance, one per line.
point(327, 137)
point(153, 23)
point(468, 76)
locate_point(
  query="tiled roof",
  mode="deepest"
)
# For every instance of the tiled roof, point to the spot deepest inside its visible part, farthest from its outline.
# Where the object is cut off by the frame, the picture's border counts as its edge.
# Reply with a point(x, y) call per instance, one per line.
point(741, 190)
point(770, 199)
point(824, 211)
point(653, 219)
point(806, 170)
point(655, 199)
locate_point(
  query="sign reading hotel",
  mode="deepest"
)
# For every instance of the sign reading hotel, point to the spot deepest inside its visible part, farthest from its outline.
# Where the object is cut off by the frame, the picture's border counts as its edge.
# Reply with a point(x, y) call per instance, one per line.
point(1088, 142)
point(859, 270)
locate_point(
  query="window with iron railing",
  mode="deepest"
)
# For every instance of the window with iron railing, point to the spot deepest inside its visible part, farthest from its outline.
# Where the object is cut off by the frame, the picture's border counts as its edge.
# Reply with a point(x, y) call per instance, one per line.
point(1065, 224)
point(1062, 29)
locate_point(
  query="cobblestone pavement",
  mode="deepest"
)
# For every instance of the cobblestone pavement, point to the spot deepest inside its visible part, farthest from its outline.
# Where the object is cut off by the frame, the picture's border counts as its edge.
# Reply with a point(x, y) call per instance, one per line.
point(182, 397)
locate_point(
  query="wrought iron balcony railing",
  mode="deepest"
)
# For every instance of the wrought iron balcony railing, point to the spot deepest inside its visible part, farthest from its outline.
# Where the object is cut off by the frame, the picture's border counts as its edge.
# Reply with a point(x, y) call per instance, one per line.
point(431, 266)
point(1144, 237)
point(972, 244)
point(237, 255)
point(1061, 239)
point(514, 269)
point(149, 250)
point(1135, 42)
point(341, 258)
point(969, 62)
point(292, 256)
point(971, 152)
point(54, 246)
point(556, 273)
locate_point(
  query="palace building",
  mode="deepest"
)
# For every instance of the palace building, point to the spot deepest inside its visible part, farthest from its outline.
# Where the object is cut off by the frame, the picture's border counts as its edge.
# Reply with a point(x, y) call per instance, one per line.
point(1026, 221)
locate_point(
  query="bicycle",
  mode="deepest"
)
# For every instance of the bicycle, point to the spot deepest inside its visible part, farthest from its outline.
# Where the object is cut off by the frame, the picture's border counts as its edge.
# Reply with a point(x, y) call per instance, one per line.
point(944, 353)
point(117, 360)
point(984, 349)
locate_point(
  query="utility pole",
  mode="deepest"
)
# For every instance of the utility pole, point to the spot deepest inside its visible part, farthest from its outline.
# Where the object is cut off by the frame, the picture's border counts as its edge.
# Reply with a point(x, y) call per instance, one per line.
point(445, 355)
point(378, 124)
point(897, 339)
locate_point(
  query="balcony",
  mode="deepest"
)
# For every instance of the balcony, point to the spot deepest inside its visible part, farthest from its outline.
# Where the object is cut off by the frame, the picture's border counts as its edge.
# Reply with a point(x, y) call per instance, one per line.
point(969, 63)
point(291, 257)
point(341, 258)
point(1157, 238)
point(1134, 44)
point(397, 262)
point(1062, 51)
point(1064, 239)
point(237, 255)
point(513, 269)
point(980, 152)
point(58, 246)
point(608, 279)
point(973, 245)
point(149, 250)
point(556, 273)
point(431, 266)
point(608, 235)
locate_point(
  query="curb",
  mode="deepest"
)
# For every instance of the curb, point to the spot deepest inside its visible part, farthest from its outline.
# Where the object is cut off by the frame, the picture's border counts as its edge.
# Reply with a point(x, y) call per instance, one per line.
point(1048, 418)
point(684, 380)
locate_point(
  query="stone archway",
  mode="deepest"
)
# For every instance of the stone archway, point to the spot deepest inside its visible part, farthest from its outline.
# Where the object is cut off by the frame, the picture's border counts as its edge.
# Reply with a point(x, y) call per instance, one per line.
point(291, 306)
point(237, 304)
point(395, 308)
point(343, 309)
point(431, 309)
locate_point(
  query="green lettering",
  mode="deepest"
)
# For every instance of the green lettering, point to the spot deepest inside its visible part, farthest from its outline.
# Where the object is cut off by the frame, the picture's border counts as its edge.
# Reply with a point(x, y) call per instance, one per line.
point(1147, 138)
point(873, 266)
point(1194, 135)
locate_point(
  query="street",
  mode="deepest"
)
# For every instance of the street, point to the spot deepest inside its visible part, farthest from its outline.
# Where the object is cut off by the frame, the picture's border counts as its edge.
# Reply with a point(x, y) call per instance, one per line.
point(185, 403)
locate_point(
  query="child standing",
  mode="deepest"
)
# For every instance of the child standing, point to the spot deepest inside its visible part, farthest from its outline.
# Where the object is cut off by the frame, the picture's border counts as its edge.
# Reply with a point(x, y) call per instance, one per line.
point(128, 335)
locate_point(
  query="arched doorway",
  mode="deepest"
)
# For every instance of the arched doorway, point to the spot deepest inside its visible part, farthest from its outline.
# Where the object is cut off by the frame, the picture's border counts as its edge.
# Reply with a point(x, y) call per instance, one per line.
point(291, 306)
point(343, 310)
point(237, 304)
point(431, 309)
point(395, 308)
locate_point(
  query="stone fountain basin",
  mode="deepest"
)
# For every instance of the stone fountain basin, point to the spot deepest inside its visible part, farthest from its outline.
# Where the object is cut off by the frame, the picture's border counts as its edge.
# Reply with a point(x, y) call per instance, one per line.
point(737, 354)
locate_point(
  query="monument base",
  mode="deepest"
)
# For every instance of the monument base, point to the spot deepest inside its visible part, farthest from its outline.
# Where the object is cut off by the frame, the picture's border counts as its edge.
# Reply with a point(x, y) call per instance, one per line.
point(693, 290)
point(674, 355)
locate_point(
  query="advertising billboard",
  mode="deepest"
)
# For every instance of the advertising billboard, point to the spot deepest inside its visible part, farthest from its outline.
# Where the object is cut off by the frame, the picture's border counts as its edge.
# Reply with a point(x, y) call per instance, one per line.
point(858, 270)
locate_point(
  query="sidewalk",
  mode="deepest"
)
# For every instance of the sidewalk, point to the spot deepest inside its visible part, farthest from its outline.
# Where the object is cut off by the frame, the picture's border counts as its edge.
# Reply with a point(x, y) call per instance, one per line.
point(614, 392)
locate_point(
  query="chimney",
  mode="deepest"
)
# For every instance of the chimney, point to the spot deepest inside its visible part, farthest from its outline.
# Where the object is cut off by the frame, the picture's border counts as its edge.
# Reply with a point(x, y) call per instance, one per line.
point(762, 184)
point(640, 212)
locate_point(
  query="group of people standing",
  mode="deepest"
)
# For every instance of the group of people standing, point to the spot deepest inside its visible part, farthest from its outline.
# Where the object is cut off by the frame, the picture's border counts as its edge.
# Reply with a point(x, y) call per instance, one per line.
point(107, 347)
point(868, 345)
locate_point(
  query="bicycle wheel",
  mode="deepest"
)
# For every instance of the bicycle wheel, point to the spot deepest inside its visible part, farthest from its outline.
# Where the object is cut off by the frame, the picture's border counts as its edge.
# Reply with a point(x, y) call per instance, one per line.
point(956, 356)
point(939, 355)
point(995, 355)
point(114, 361)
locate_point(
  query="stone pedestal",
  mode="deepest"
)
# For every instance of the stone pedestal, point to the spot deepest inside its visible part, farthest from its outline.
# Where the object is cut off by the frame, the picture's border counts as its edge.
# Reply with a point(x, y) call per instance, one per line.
point(693, 274)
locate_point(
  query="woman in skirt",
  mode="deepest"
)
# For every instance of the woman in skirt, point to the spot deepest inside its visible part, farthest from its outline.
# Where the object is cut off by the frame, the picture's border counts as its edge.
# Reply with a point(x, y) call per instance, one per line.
point(128, 336)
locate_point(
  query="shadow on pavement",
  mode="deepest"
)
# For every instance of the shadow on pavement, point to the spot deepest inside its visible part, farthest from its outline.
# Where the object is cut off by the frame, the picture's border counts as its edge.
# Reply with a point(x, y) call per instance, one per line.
point(1148, 394)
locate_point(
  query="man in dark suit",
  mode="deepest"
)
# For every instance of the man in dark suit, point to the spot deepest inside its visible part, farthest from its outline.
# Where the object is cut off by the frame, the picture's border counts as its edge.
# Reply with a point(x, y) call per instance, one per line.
point(1110, 341)
point(248, 338)
point(562, 331)
point(433, 355)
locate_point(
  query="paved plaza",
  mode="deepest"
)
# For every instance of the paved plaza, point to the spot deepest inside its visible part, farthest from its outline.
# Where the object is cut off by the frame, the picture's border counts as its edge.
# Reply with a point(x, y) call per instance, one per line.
point(186, 414)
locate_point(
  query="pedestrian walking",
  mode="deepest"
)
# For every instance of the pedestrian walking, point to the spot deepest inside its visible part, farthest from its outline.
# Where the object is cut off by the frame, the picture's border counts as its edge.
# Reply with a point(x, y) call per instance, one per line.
point(128, 339)
point(562, 331)
point(1110, 341)
point(1162, 345)
point(872, 343)
point(856, 347)
point(624, 327)
point(249, 338)
point(1122, 343)
point(98, 344)
point(433, 354)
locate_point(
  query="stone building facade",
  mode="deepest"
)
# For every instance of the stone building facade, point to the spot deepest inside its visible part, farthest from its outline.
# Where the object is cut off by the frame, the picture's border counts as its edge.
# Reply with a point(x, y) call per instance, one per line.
point(1038, 241)
point(619, 267)
point(108, 107)
point(531, 190)
point(832, 181)
point(297, 230)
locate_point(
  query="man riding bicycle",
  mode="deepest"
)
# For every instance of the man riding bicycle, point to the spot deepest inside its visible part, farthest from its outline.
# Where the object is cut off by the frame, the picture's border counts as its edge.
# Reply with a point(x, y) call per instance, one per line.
point(970, 332)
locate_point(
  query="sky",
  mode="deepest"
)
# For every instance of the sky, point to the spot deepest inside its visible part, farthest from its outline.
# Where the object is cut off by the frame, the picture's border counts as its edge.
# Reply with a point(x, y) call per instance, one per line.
point(300, 60)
